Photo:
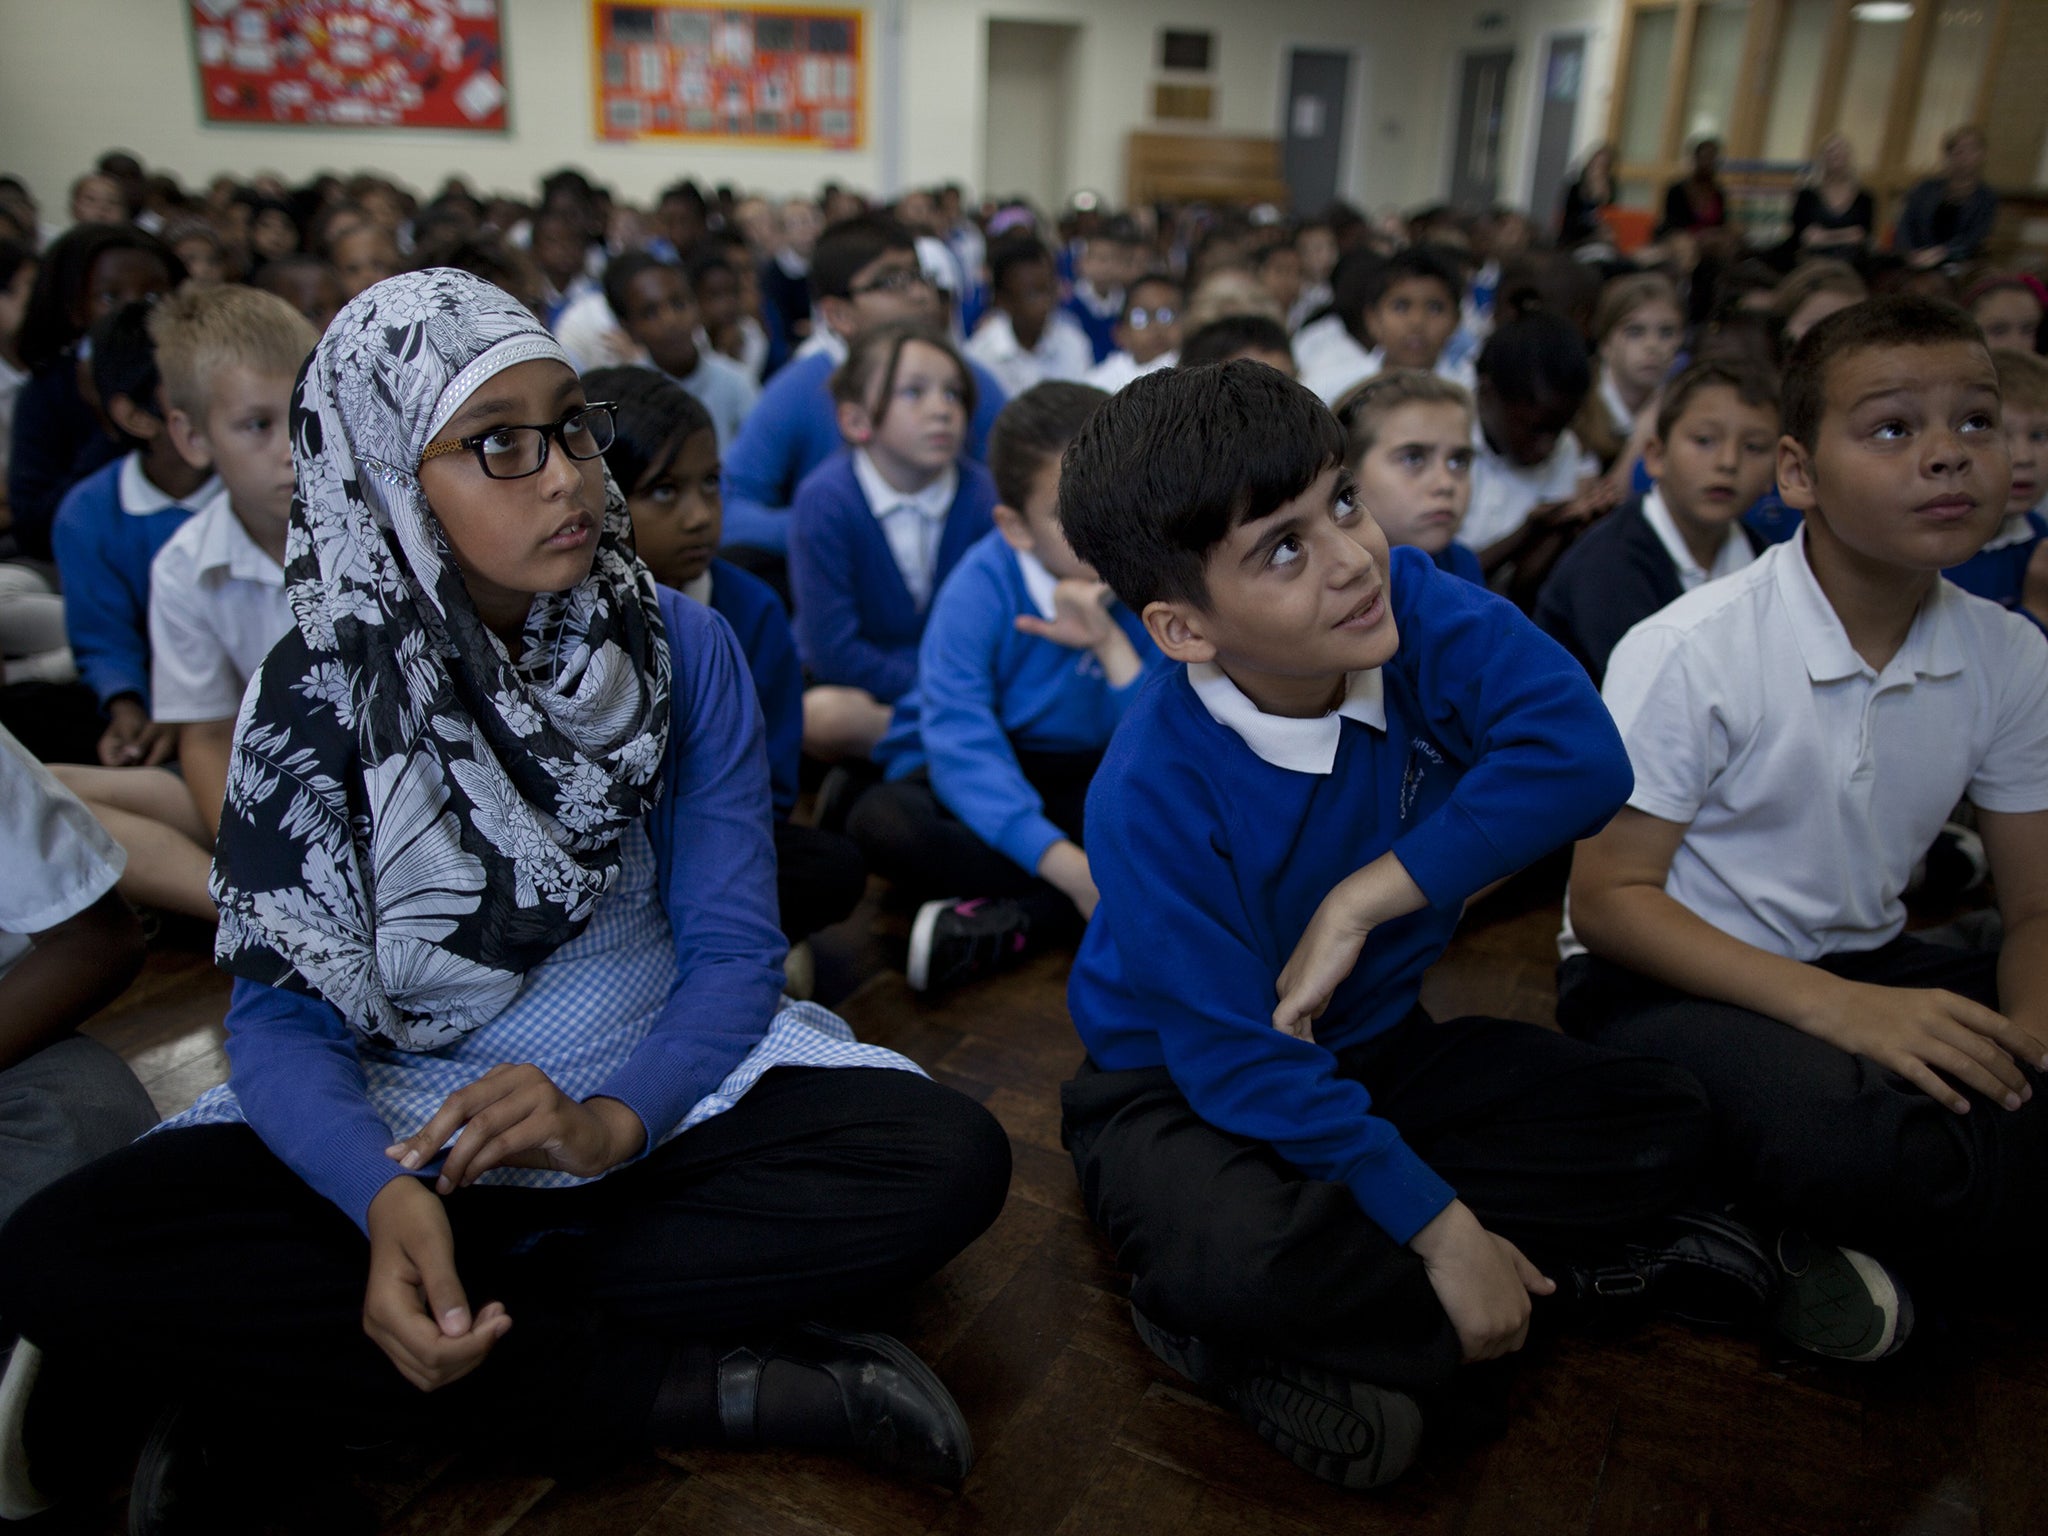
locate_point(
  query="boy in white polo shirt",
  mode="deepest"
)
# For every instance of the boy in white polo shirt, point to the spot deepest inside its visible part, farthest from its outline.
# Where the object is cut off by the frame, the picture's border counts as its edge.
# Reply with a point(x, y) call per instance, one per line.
point(1799, 733)
point(229, 357)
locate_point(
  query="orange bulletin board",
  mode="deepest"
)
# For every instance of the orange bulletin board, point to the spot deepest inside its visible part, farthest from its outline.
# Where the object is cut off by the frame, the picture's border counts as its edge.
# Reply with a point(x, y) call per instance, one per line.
point(671, 69)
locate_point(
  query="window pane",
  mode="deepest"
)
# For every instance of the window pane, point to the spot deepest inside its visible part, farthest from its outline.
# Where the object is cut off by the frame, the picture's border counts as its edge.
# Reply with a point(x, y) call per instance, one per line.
point(1874, 47)
point(1716, 60)
point(1649, 77)
point(1955, 65)
point(1801, 50)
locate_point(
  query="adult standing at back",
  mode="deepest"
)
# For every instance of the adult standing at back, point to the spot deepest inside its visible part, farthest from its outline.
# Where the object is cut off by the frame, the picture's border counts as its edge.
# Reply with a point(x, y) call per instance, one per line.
point(1697, 203)
point(1584, 199)
point(1833, 215)
point(1947, 218)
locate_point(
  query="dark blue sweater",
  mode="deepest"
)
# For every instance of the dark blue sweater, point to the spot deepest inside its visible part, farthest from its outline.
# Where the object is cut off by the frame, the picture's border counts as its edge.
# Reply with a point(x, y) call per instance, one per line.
point(103, 555)
point(2001, 574)
point(793, 428)
point(757, 618)
point(985, 689)
point(856, 623)
point(57, 443)
point(1211, 861)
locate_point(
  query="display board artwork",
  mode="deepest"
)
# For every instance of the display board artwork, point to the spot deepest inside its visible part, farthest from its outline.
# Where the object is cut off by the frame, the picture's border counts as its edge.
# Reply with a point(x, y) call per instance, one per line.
point(351, 63)
point(668, 69)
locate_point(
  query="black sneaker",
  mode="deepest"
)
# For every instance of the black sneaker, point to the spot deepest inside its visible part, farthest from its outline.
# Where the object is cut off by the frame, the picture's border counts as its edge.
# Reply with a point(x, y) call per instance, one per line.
point(1839, 1303)
point(954, 941)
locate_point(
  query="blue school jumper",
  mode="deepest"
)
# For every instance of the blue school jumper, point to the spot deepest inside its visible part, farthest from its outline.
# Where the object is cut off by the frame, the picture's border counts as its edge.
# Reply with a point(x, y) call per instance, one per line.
point(757, 618)
point(985, 691)
point(103, 555)
point(1455, 559)
point(1999, 571)
point(1100, 324)
point(794, 428)
point(1494, 749)
point(856, 623)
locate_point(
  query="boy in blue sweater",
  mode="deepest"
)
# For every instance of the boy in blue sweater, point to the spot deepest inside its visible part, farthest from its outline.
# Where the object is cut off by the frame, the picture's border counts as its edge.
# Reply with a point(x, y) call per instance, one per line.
point(1325, 1227)
point(877, 530)
point(109, 528)
point(1025, 669)
point(864, 273)
point(2012, 568)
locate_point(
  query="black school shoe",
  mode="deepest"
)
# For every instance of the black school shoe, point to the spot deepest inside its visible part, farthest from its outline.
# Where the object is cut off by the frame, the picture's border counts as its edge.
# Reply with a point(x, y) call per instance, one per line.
point(1696, 1266)
point(1343, 1431)
point(953, 941)
point(891, 1410)
point(198, 1476)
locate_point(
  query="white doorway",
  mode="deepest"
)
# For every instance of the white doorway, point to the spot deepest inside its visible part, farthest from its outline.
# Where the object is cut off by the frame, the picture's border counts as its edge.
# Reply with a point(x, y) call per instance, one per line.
point(1030, 101)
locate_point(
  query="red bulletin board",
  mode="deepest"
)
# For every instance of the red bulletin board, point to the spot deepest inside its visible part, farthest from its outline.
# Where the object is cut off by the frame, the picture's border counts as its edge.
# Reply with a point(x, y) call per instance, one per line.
point(671, 69)
point(351, 63)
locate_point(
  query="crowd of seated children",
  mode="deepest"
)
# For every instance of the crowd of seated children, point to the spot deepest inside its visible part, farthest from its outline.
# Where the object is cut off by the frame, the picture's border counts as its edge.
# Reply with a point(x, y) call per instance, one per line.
point(1110, 260)
point(1408, 448)
point(722, 281)
point(1713, 454)
point(1412, 308)
point(1259, 338)
point(1147, 334)
point(1799, 733)
point(876, 529)
point(664, 456)
point(529, 897)
point(228, 357)
point(1637, 331)
point(2012, 567)
point(1027, 337)
point(308, 284)
point(1026, 666)
point(657, 309)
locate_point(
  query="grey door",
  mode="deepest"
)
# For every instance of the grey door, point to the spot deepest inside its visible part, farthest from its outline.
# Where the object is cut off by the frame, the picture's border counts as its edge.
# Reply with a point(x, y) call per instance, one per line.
point(1563, 75)
point(1313, 133)
point(1482, 98)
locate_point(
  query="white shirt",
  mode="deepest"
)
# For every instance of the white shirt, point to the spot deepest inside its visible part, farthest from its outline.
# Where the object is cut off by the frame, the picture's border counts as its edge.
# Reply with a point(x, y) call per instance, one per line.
point(723, 388)
point(1734, 553)
point(216, 606)
point(592, 336)
point(913, 522)
point(1808, 783)
point(1119, 368)
point(1286, 741)
point(826, 340)
point(1343, 370)
point(59, 860)
point(11, 380)
point(140, 496)
point(1327, 348)
point(1039, 584)
point(1618, 413)
point(1504, 493)
point(1063, 351)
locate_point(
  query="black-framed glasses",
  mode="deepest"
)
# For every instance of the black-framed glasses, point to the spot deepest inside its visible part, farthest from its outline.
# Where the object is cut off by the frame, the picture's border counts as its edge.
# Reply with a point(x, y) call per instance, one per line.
point(895, 280)
point(513, 453)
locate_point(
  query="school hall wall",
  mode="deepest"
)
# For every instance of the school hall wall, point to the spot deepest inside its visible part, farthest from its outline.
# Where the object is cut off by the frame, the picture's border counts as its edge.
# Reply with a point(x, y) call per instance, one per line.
point(78, 76)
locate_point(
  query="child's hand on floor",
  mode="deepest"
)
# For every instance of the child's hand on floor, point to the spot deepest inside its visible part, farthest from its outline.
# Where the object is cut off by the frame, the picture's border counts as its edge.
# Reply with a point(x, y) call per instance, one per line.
point(1926, 1035)
point(515, 1117)
point(414, 1308)
point(1065, 868)
point(1330, 945)
point(1081, 619)
point(132, 739)
point(1483, 1281)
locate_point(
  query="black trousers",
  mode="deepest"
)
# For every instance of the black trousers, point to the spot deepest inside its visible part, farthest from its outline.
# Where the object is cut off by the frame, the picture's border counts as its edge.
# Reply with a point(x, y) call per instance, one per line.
point(198, 1264)
point(1556, 1145)
point(911, 838)
point(820, 878)
point(1806, 1132)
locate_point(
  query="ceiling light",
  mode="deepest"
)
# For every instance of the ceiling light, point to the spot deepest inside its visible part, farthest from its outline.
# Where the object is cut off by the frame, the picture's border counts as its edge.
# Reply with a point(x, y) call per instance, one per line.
point(1882, 10)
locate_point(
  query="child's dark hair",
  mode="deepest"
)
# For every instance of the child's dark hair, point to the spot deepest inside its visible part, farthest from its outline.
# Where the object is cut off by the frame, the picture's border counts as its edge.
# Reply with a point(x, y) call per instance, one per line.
point(1014, 251)
point(268, 276)
point(708, 256)
point(874, 355)
point(1418, 263)
point(1167, 466)
point(486, 255)
point(1231, 336)
point(1034, 427)
point(1752, 385)
point(1537, 357)
point(653, 417)
point(1354, 288)
point(14, 255)
point(1898, 320)
point(1152, 280)
point(124, 359)
point(851, 244)
point(621, 270)
point(47, 326)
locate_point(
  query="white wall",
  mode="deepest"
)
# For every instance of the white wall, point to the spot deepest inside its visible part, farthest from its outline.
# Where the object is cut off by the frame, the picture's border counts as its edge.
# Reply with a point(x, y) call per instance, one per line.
point(1537, 22)
point(77, 76)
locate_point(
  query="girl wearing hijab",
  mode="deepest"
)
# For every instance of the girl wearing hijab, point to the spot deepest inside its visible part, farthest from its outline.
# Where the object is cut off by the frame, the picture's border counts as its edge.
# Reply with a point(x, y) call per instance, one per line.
point(517, 1115)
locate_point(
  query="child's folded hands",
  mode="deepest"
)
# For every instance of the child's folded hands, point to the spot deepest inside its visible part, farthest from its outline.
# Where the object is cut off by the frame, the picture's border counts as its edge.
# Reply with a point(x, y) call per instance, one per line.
point(514, 1116)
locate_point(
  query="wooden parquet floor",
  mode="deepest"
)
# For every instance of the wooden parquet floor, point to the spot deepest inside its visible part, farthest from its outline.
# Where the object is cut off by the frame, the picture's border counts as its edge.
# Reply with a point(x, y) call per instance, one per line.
point(1082, 1433)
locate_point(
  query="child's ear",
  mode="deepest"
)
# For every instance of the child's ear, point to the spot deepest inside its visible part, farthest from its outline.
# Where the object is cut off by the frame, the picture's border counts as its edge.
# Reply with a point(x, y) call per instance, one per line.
point(1795, 475)
point(1653, 457)
point(1176, 628)
point(839, 316)
point(855, 425)
point(189, 439)
point(1015, 529)
point(133, 419)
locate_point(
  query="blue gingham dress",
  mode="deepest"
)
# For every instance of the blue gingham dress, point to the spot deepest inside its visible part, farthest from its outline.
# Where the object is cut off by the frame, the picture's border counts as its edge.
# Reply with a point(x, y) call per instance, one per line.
point(580, 1014)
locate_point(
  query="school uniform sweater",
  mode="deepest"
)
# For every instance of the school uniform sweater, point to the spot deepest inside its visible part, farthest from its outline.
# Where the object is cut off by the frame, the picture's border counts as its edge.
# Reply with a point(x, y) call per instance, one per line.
point(758, 620)
point(985, 691)
point(109, 528)
point(1998, 570)
point(856, 622)
point(57, 442)
point(794, 428)
point(1454, 559)
point(1477, 749)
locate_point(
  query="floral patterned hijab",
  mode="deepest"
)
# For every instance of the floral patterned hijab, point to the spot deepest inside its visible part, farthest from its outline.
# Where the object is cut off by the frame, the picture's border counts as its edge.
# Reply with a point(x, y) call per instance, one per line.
point(414, 820)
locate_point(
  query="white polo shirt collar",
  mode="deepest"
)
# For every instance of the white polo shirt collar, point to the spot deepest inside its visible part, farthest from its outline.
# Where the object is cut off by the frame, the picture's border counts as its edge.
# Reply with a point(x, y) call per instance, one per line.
point(1038, 584)
point(2016, 529)
point(1930, 648)
point(1734, 553)
point(224, 545)
point(932, 503)
point(1618, 413)
point(1299, 746)
point(698, 589)
point(140, 496)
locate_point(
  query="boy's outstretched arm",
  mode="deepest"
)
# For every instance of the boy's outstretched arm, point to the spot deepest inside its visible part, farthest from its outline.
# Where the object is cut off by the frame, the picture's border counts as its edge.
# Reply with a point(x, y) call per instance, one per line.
point(1620, 911)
